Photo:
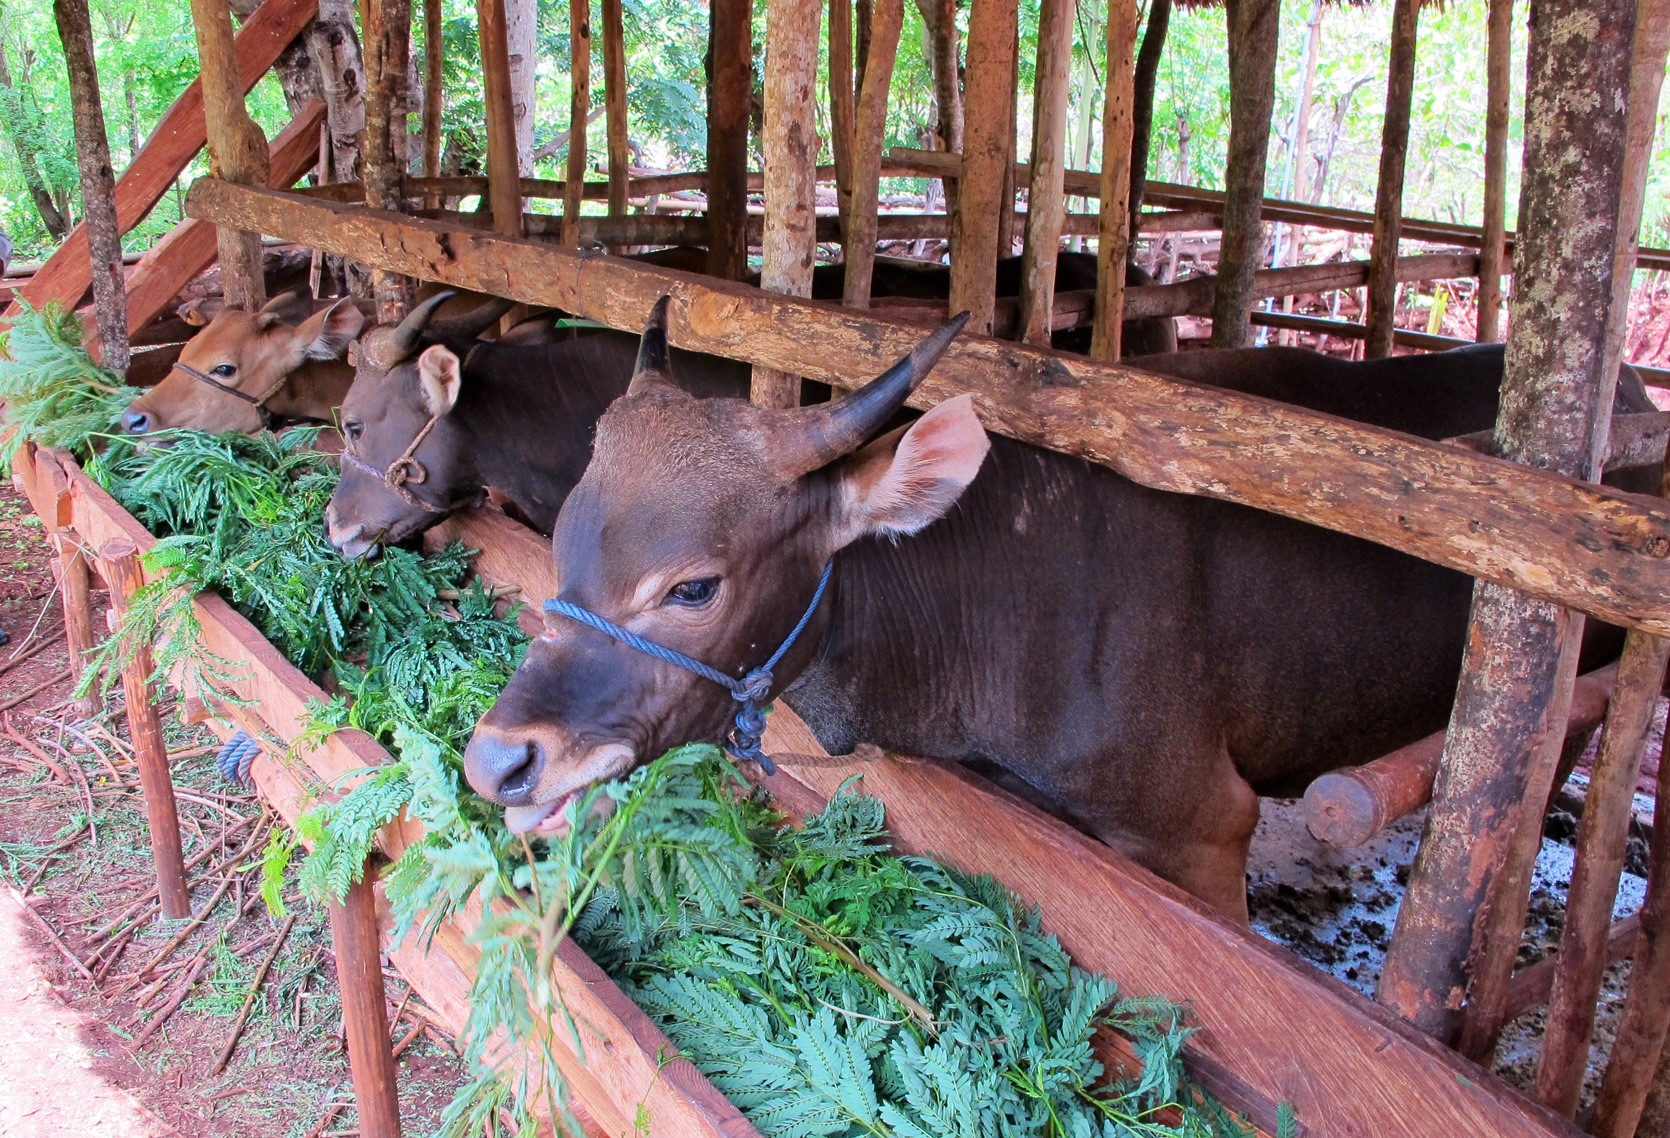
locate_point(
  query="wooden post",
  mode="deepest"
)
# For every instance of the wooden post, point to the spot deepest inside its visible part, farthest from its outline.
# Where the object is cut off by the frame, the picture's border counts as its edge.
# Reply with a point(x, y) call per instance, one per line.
point(842, 100)
point(614, 102)
point(237, 148)
point(858, 219)
point(98, 181)
point(359, 976)
point(1011, 147)
point(504, 175)
point(1253, 27)
point(1142, 100)
point(1655, 1116)
point(579, 106)
point(1500, 757)
point(336, 53)
point(433, 97)
point(729, 91)
point(974, 230)
point(948, 87)
point(121, 563)
point(1493, 249)
point(1046, 201)
point(388, 44)
point(1388, 198)
point(521, 33)
point(1118, 122)
point(74, 584)
point(788, 246)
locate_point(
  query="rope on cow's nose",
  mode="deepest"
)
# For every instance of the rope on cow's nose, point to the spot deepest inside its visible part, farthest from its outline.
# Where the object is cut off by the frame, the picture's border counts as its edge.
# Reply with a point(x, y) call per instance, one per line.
point(748, 729)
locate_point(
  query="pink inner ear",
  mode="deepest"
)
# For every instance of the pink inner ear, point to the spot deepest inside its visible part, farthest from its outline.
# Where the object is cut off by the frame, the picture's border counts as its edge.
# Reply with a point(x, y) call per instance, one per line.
point(926, 472)
point(948, 441)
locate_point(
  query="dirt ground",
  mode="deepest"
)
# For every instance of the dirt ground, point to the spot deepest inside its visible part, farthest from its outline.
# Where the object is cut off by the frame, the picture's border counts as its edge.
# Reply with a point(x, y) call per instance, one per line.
point(124, 1040)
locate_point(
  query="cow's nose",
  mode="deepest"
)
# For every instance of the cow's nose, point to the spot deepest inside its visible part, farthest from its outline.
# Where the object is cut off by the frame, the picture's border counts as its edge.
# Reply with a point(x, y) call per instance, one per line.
point(135, 422)
point(504, 765)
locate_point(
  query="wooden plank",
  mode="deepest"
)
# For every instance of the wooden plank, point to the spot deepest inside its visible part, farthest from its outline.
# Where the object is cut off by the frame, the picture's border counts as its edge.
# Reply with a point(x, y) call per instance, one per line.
point(1388, 198)
point(1493, 236)
point(579, 108)
point(789, 145)
point(988, 124)
point(1113, 244)
point(504, 178)
point(1589, 547)
point(858, 209)
point(175, 142)
point(189, 248)
point(1253, 26)
point(730, 92)
point(1046, 206)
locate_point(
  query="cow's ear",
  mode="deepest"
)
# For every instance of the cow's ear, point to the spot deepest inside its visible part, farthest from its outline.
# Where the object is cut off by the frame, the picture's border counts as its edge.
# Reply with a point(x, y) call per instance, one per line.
point(197, 313)
point(912, 476)
point(326, 335)
point(439, 378)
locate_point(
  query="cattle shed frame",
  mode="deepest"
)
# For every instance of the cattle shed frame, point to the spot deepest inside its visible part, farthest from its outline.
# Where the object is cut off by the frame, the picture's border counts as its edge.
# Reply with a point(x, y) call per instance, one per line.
point(1546, 544)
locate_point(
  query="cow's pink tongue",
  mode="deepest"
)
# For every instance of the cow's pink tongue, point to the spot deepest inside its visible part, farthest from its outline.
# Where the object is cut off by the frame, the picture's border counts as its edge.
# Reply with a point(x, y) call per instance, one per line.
point(522, 819)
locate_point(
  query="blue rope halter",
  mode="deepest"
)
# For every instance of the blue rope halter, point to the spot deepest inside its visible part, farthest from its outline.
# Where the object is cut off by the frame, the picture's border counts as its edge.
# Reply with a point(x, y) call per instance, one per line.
point(750, 691)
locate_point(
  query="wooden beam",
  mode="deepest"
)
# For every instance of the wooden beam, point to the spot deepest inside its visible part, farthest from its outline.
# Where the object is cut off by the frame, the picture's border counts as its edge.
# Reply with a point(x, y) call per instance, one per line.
point(579, 107)
point(388, 44)
point(237, 148)
point(1585, 546)
point(1194, 296)
point(98, 183)
point(504, 177)
point(730, 92)
point(988, 124)
point(1388, 200)
point(1493, 240)
point(1464, 907)
point(189, 248)
point(858, 215)
point(1113, 242)
point(1253, 28)
point(789, 144)
point(175, 142)
point(1046, 204)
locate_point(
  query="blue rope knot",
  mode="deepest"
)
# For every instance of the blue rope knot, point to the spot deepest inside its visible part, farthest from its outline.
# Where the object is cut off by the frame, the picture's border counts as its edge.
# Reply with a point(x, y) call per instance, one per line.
point(750, 691)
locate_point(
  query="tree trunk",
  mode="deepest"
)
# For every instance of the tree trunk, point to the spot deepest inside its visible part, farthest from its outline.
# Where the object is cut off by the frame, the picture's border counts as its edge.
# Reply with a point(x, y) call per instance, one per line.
point(731, 56)
point(843, 108)
point(336, 53)
point(1492, 248)
point(858, 221)
point(237, 148)
point(945, 65)
point(504, 175)
point(433, 95)
point(1253, 27)
point(986, 134)
point(297, 76)
point(28, 158)
point(1114, 242)
point(1342, 107)
point(614, 106)
point(1142, 100)
point(388, 45)
point(579, 109)
point(1046, 201)
point(98, 182)
point(1501, 750)
point(789, 143)
point(522, 35)
point(1388, 199)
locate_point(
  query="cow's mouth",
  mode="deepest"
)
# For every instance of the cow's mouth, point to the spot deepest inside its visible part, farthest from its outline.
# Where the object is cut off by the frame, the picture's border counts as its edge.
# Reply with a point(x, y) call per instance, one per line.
point(553, 819)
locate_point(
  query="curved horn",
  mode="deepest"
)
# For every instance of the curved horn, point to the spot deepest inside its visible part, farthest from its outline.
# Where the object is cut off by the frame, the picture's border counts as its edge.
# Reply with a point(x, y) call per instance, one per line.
point(652, 366)
point(472, 324)
point(811, 437)
point(404, 339)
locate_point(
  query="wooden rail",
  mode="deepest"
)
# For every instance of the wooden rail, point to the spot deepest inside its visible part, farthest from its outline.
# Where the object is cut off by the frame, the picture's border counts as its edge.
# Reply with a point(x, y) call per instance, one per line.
point(1579, 545)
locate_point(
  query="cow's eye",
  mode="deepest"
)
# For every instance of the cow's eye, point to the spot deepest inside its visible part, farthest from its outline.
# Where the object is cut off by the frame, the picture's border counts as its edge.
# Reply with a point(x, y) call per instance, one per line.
point(693, 593)
point(353, 430)
point(224, 371)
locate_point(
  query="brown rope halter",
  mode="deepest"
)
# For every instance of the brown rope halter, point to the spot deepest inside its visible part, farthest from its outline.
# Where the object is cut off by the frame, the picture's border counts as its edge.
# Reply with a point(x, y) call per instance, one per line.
point(404, 471)
point(259, 402)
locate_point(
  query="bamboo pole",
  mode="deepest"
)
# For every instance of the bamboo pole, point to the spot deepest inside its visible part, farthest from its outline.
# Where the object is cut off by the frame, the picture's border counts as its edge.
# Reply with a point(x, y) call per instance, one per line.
point(974, 231)
point(1253, 27)
point(1142, 100)
point(433, 95)
point(614, 101)
point(162, 818)
point(1118, 126)
point(359, 976)
point(1461, 903)
point(1388, 199)
point(1493, 248)
point(730, 89)
point(788, 246)
point(1046, 200)
point(504, 177)
point(388, 30)
point(237, 148)
point(98, 181)
point(579, 106)
point(858, 219)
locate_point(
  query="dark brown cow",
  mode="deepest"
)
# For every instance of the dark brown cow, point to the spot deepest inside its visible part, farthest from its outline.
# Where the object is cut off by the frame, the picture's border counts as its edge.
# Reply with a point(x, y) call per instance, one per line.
point(1148, 663)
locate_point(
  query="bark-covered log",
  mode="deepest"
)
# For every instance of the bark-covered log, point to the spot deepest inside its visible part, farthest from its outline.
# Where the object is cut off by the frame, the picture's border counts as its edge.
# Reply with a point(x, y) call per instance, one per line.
point(1253, 26)
point(843, 102)
point(869, 129)
point(1492, 250)
point(388, 44)
point(28, 158)
point(1142, 99)
point(237, 148)
point(1114, 241)
point(790, 147)
point(98, 182)
point(614, 105)
point(1500, 757)
point(1046, 201)
point(945, 65)
point(988, 125)
point(522, 42)
point(731, 80)
point(1388, 199)
point(504, 180)
point(434, 58)
point(579, 108)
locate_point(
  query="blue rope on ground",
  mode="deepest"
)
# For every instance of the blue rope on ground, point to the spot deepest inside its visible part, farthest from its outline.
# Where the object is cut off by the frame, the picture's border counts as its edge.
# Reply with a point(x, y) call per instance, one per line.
point(236, 756)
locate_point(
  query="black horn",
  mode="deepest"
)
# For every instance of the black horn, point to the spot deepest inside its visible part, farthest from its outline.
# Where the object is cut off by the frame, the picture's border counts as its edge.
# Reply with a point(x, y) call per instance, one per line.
point(470, 325)
point(652, 365)
point(403, 341)
point(811, 437)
